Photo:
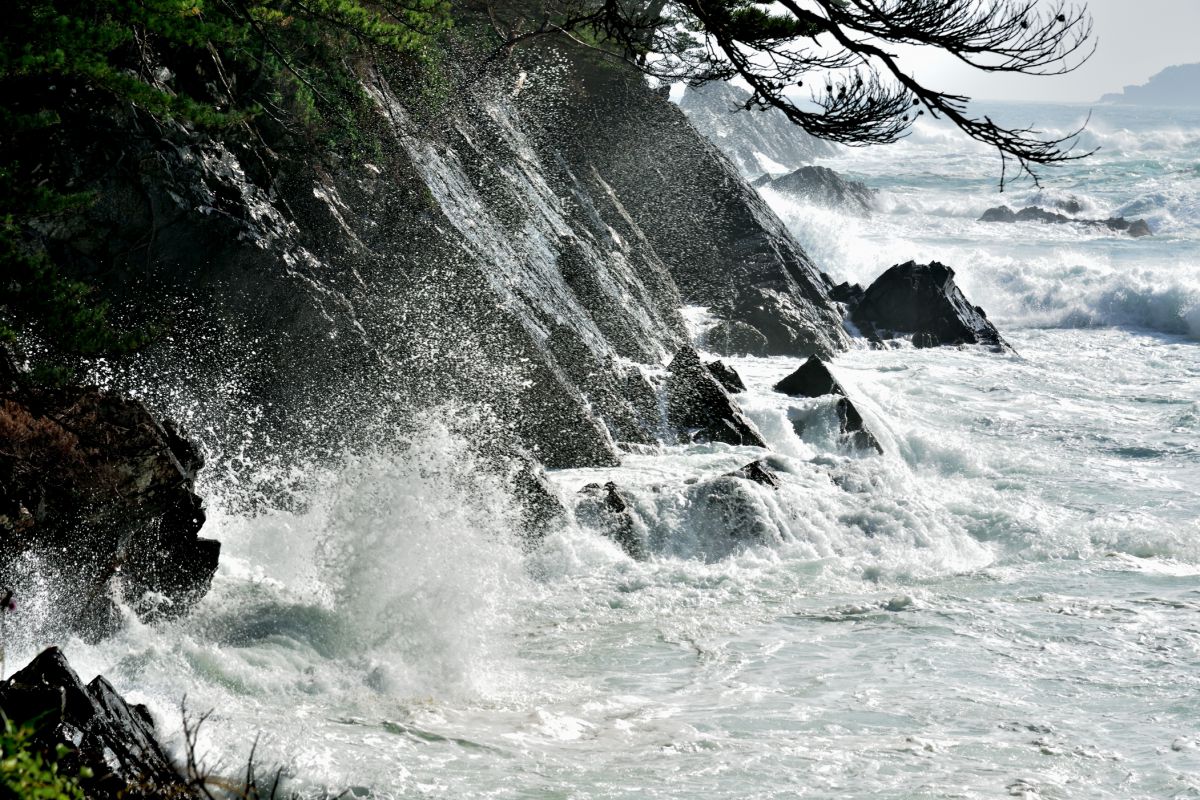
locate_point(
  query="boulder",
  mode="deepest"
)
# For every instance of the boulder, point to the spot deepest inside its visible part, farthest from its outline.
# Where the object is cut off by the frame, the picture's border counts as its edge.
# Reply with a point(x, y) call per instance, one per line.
point(826, 187)
point(922, 300)
point(757, 471)
point(727, 376)
point(1135, 228)
point(605, 509)
point(97, 729)
point(96, 502)
point(700, 407)
point(736, 338)
point(812, 379)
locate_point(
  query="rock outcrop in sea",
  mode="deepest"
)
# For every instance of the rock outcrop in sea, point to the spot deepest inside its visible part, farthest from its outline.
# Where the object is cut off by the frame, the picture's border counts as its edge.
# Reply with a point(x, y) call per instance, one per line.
point(813, 379)
point(700, 408)
point(823, 186)
point(922, 303)
point(1135, 228)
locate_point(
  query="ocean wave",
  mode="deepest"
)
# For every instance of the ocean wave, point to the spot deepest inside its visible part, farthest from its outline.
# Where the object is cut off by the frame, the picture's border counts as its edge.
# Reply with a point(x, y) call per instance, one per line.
point(1080, 297)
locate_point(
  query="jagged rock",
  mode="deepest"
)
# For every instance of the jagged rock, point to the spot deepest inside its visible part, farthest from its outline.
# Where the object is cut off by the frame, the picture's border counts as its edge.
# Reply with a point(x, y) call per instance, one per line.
point(1135, 228)
point(736, 338)
point(811, 379)
point(849, 293)
point(824, 186)
point(851, 424)
point(923, 301)
point(759, 472)
point(699, 406)
point(727, 376)
point(102, 732)
point(603, 508)
point(724, 515)
point(96, 497)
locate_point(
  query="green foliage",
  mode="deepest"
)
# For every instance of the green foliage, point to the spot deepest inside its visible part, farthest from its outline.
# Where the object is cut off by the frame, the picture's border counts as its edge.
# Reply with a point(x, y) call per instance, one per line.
point(28, 773)
point(202, 64)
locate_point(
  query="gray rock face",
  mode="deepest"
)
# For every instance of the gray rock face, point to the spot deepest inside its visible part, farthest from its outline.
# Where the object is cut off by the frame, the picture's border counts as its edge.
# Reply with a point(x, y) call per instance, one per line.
point(823, 186)
point(97, 727)
point(700, 408)
point(723, 245)
point(515, 256)
point(95, 499)
point(1135, 228)
point(755, 141)
point(922, 301)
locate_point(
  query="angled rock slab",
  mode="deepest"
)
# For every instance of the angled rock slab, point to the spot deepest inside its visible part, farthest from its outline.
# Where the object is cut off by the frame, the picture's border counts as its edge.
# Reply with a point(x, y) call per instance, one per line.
point(700, 407)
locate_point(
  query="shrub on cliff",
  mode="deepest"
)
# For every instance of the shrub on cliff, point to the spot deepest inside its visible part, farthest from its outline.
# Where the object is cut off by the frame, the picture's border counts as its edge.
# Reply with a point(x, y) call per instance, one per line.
point(30, 774)
point(215, 64)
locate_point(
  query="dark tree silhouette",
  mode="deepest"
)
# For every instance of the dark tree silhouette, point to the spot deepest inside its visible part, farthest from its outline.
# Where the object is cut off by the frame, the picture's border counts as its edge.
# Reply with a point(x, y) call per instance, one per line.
point(839, 54)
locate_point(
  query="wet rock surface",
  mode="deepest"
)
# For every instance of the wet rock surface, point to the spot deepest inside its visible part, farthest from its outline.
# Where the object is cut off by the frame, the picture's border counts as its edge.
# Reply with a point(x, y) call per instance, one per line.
point(700, 407)
point(813, 379)
point(97, 502)
point(116, 741)
point(824, 186)
point(1134, 227)
point(605, 509)
point(758, 471)
point(923, 302)
point(727, 376)
point(753, 139)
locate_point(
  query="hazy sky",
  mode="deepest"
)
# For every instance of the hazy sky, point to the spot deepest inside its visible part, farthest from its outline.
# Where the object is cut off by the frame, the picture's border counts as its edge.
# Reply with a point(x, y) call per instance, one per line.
point(1136, 39)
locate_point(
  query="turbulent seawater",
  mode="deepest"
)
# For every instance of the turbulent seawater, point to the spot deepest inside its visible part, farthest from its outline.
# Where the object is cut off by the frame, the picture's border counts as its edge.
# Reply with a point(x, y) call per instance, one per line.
point(1006, 603)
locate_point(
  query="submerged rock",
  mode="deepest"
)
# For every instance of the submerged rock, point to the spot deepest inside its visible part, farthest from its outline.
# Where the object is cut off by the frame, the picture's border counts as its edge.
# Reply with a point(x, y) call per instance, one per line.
point(1135, 228)
point(604, 508)
point(97, 728)
point(727, 376)
point(813, 379)
point(700, 407)
point(757, 471)
point(826, 187)
point(96, 500)
point(922, 301)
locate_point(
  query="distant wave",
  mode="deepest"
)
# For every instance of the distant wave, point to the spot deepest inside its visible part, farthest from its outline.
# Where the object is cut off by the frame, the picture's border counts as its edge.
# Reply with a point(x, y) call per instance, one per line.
point(1082, 298)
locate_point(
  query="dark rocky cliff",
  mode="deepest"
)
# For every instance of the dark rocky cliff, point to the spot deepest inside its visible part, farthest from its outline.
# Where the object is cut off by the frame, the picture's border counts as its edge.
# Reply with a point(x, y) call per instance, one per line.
point(525, 249)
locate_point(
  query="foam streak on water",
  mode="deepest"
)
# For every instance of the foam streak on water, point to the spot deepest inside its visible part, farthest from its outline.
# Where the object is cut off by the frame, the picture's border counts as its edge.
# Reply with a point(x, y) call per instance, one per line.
point(1005, 603)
